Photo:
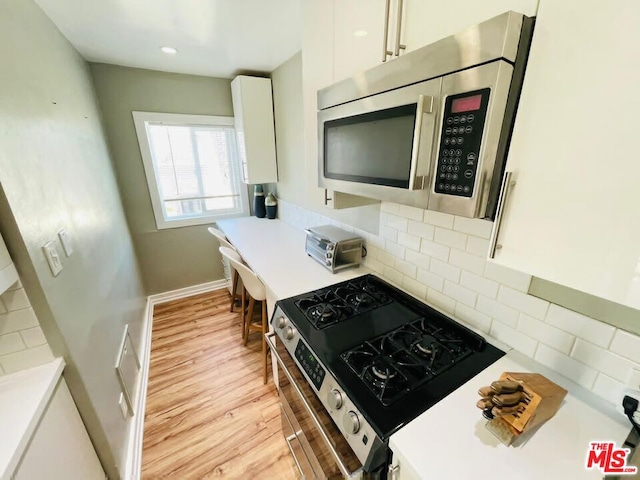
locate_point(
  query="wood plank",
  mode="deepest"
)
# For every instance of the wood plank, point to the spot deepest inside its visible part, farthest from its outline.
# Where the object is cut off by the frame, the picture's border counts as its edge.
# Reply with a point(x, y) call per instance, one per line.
point(207, 413)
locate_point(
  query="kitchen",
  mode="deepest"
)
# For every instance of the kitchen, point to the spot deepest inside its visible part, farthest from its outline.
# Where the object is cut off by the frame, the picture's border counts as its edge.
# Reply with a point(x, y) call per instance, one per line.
point(81, 113)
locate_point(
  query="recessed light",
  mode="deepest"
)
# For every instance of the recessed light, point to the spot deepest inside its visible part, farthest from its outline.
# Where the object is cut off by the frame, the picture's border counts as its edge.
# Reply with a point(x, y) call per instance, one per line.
point(360, 33)
point(169, 50)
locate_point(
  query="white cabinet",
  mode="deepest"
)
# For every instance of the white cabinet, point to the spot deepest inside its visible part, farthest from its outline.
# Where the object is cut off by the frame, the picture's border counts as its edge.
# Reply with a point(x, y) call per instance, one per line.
point(8, 274)
point(253, 113)
point(60, 448)
point(573, 215)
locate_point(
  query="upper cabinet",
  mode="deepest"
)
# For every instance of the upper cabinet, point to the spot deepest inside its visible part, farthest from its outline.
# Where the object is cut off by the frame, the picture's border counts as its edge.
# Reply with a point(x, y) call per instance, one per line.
point(253, 113)
point(573, 215)
point(8, 274)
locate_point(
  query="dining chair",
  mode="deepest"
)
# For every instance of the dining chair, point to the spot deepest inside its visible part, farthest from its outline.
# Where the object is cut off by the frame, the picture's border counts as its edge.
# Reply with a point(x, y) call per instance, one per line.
point(224, 242)
point(257, 293)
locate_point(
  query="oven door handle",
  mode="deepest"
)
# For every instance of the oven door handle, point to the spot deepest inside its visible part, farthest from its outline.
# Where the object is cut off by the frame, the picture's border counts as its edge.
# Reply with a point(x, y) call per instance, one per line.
point(345, 471)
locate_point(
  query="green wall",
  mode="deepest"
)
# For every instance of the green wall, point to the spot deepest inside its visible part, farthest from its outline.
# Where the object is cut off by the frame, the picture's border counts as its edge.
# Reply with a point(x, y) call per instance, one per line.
point(170, 258)
point(55, 172)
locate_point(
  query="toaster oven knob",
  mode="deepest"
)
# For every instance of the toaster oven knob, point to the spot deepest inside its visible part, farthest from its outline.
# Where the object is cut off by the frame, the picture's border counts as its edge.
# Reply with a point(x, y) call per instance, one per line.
point(281, 322)
point(335, 399)
point(351, 422)
point(289, 333)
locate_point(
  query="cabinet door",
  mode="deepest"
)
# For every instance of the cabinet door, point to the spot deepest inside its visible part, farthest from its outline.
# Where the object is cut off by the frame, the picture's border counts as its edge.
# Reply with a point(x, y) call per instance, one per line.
point(426, 21)
point(573, 216)
point(358, 36)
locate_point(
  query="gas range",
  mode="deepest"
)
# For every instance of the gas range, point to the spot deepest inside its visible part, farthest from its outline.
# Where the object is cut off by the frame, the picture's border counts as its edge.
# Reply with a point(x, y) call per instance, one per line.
point(376, 357)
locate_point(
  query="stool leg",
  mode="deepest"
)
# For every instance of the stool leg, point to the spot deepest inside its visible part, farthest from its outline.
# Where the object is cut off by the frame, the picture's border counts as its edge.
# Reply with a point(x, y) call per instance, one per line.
point(265, 327)
point(234, 288)
point(248, 319)
point(243, 312)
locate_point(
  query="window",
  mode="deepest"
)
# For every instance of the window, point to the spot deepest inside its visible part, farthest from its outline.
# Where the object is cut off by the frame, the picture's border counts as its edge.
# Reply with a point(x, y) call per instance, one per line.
point(192, 168)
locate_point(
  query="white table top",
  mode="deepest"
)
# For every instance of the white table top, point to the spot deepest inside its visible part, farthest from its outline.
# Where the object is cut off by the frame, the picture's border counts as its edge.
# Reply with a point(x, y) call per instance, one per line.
point(450, 439)
point(23, 398)
point(275, 251)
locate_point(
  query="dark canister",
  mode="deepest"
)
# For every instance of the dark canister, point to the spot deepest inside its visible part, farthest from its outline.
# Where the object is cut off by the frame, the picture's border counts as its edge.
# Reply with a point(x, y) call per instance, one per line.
point(259, 209)
point(272, 206)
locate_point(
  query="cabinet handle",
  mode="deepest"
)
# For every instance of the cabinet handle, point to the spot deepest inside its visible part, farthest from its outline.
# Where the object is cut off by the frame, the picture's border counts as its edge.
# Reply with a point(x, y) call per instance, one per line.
point(385, 37)
point(506, 187)
point(326, 197)
point(392, 472)
point(399, 46)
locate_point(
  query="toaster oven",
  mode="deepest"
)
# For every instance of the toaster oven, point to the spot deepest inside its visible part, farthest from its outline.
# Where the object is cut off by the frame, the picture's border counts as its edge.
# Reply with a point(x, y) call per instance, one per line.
point(334, 248)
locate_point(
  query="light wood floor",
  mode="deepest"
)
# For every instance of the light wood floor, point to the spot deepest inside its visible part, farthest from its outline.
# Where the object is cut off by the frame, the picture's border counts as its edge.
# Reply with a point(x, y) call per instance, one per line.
point(208, 414)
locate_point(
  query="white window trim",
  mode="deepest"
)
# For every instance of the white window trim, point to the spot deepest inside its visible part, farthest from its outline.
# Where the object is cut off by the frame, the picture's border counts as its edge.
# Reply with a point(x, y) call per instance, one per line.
point(139, 120)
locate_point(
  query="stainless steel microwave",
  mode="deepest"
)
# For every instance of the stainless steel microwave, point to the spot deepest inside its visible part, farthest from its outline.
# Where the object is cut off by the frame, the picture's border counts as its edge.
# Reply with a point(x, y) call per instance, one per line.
point(432, 128)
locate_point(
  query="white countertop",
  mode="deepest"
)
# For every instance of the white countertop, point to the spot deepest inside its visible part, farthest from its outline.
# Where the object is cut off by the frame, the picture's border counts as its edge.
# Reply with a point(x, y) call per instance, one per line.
point(23, 398)
point(275, 251)
point(450, 439)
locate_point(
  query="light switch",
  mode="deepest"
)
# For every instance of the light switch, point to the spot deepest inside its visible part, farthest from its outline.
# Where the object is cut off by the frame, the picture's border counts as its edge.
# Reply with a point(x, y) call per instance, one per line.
point(65, 240)
point(53, 258)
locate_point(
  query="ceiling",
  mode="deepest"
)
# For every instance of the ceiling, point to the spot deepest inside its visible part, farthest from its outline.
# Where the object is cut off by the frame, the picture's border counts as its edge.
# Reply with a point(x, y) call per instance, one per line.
point(217, 38)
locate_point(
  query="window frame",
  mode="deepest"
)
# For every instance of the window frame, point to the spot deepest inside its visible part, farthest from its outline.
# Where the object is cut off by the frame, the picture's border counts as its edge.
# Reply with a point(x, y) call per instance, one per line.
point(140, 120)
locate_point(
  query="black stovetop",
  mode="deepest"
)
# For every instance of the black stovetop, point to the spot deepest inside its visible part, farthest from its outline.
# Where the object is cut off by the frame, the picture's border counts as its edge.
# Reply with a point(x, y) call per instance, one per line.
point(393, 355)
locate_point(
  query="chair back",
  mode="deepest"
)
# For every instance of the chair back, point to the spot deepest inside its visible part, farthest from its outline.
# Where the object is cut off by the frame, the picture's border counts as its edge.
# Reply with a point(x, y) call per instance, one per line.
point(221, 237)
point(249, 279)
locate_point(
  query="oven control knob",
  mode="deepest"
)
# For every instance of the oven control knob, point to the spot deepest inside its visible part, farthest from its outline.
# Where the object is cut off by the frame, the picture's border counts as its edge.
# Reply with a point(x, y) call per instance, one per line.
point(289, 333)
point(281, 322)
point(335, 399)
point(351, 422)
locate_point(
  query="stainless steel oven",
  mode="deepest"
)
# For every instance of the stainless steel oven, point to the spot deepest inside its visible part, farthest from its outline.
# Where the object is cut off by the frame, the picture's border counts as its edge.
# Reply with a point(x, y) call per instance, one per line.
point(317, 446)
point(430, 129)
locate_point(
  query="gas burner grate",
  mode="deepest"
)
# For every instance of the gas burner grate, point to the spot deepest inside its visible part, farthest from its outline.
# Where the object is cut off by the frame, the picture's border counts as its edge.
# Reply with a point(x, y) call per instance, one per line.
point(394, 364)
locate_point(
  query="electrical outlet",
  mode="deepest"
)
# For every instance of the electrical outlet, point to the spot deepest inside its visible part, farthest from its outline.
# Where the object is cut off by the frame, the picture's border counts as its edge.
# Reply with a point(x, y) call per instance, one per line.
point(65, 240)
point(124, 408)
point(53, 258)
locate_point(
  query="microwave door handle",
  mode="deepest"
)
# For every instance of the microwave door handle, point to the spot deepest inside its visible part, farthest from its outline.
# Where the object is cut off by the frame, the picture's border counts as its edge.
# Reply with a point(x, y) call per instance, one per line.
point(424, 106)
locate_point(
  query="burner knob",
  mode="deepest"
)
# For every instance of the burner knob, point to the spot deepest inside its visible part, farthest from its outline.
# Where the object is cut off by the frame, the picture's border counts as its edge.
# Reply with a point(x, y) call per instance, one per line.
point(289, 333)
point(351, 422)
point(281, 322)
point(335, 399)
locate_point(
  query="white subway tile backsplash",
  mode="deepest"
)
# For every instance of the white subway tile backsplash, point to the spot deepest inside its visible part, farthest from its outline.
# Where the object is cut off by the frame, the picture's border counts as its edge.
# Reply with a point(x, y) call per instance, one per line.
point(478, 246)
point(33, 337)
point(394, 249)
point(445, 270)
point(525, 303)
point(386, 258)
point(406, 268)
point(10, 343)
point(376, 265)
point(473, 226)
point(473, 317)
point(498, 311)
point(441, 301)
point(393, 275)
point(569, 367)
point(418, 259)
point(450, 238)
point(518, 340)
point(461, 294)
point(609, 389)
point(374, 240)
point(421, 229)
point(28, 358)
point(430, 279)
point(411, 213)
point(603, 360)
point(627, 345)
point(18, 320)
point(409, 241)
point(2, 308)
point(15, 299)
point(517, 280)
point(467, 261)
point(389, 207)
point(551, 336)
point(397, 222)
point(435, 250)
point(438, 219)
point(388, 233)
point(414, 287)
point(479, 284)
point(581, 326)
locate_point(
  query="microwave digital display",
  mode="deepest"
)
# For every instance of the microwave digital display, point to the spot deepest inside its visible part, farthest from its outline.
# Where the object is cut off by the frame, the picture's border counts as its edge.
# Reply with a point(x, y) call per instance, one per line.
point(466, 104)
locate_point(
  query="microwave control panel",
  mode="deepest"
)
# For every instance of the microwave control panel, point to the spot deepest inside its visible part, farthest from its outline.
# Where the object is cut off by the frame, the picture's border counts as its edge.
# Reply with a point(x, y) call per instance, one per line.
point(462, 127)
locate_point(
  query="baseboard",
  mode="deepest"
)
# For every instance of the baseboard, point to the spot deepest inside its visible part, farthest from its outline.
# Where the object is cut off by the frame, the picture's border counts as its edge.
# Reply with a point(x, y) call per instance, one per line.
point(187, 291)
point(133, 462)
